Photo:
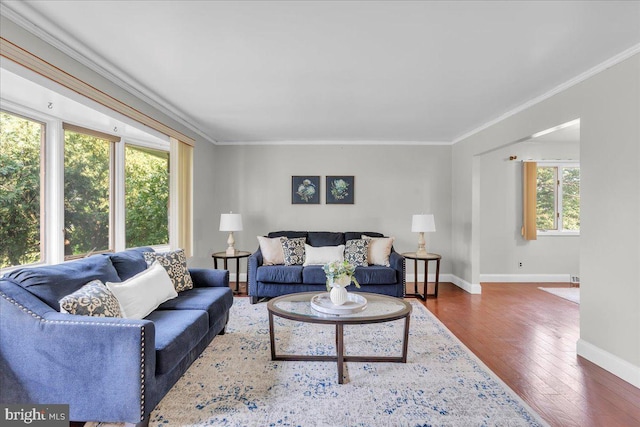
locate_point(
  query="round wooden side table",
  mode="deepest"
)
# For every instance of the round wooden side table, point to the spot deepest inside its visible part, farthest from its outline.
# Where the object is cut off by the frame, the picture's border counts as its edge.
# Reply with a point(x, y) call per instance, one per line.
point(224, 256)
point(425, 258)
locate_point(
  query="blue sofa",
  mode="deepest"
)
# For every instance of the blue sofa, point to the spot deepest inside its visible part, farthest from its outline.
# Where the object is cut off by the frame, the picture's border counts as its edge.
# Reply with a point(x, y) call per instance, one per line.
point(107, 369)
point(275, 280)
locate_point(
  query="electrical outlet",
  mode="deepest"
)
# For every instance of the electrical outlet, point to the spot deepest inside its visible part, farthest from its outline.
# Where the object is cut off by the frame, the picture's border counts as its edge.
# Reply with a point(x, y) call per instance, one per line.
point(575, 279)
point(520, 264)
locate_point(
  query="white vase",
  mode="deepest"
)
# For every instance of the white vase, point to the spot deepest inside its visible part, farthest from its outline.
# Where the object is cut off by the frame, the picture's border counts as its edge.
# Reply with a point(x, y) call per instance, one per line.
point(338, 295)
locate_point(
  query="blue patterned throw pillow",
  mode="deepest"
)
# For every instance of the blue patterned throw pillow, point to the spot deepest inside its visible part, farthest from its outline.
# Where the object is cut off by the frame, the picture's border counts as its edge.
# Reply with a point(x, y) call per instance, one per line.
point(355, 252)
point(93, 299)
point(176, 265)
point(293, 250)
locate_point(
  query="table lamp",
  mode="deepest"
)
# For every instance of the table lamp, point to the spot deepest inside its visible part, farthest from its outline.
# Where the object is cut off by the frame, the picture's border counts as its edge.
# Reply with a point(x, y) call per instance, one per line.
point(420, 224)
point(231, 222)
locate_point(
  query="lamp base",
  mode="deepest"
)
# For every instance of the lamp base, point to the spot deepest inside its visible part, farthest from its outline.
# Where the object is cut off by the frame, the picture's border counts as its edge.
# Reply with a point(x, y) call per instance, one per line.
point(231, 241)
point(422, 251)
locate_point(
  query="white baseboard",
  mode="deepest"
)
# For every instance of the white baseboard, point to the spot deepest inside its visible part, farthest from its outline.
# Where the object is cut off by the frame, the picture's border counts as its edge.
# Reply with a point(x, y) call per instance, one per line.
point(524, 278)
point(232, 277)
point(612, 363)
point(472, 288)
point(432, 278)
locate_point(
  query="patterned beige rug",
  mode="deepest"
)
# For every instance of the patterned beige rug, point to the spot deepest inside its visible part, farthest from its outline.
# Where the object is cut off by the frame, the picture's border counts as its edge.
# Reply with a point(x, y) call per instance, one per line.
point(571, 294)
point(235, 383)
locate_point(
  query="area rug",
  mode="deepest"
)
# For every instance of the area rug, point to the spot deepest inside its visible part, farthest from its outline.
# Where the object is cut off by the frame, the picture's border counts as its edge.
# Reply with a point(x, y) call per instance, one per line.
point(571, 294)
point(235, 383)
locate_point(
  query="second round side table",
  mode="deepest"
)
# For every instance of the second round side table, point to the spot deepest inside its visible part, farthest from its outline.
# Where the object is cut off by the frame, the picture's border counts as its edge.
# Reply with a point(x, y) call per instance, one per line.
point(425, 258)
point(224, 257)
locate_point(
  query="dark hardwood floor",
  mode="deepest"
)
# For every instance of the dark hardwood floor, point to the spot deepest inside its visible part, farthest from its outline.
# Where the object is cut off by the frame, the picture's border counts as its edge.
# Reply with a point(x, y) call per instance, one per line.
point(528, 338)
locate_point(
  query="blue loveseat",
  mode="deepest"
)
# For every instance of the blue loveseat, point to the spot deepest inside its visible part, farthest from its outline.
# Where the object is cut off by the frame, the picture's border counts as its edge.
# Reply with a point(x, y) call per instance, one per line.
point(275, 280)
point(106, 368)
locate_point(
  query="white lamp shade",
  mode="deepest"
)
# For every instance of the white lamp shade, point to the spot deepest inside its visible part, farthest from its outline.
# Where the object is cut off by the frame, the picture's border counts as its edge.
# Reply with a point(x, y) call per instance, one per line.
point(422, 223)
point(230, 222)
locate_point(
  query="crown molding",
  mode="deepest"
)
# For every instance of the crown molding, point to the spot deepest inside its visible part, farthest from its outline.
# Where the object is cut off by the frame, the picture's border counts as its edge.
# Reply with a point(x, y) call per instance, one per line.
point(24, 16)
point(333, 142)
point(626, 54)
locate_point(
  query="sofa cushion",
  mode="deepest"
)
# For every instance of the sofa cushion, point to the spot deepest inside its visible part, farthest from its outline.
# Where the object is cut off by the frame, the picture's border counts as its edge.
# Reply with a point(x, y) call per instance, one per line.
point(293, 250)
point(175, 263)
point(322, 255)
point(356, 252)
point(350, 235)
point(51, 283)
point(215, 301)
point(280, 274)
point(144, 292)
point(289, 234)
point(271, 249)
point(130, 262)
point(314, 275)
point(375, 275)
point(325, 238)
point(93, 299)
point(177, 332)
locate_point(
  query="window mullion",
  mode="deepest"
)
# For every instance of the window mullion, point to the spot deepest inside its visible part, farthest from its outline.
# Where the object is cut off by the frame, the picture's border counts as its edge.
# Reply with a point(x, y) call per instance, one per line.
point(118, 207)
point(54, 192)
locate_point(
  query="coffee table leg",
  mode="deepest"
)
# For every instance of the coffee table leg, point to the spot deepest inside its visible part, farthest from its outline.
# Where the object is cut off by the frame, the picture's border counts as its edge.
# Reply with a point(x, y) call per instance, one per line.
point(340, 351)
point(405, 343)
point(271, 337)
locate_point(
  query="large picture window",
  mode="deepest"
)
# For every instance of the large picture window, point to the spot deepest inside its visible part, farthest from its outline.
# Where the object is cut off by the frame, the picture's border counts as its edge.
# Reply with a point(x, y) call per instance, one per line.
point(21, 201)
point(90, 192)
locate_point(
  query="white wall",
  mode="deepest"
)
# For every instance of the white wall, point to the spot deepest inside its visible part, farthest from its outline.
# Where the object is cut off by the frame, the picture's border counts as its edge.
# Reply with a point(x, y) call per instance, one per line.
point(608, 105)
point(502, 247)
point(391, 184)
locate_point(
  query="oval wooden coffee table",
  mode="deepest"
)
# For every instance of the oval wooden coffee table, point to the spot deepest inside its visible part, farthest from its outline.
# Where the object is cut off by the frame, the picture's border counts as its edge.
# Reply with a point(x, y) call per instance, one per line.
point(380, 308)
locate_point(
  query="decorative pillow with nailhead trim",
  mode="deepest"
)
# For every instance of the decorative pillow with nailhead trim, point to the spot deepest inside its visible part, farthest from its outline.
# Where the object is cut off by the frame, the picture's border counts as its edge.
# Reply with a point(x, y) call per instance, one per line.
point(293, 250)
point(176, 265)
point(93, 299)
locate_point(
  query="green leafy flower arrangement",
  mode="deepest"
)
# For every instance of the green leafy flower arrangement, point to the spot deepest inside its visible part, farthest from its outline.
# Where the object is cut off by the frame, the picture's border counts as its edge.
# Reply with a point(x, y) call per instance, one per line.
point(339, 189)
point(340, 272)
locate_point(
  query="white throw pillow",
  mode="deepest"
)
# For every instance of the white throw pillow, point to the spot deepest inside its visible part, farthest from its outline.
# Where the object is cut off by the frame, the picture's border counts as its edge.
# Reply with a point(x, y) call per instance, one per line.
point(323, 254)
point(271, 248)
point(144, 292)
point(379, 250)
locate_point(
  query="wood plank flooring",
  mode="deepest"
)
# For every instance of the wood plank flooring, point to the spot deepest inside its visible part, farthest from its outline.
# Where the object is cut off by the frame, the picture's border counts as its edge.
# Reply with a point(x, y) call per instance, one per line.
point(528, 338)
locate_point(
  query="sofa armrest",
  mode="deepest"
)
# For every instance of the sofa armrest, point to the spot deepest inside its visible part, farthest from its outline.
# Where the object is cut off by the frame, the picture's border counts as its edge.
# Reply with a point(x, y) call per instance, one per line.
point(207, 277)
point(398, 263)
point(102, 367)
point(255, 260)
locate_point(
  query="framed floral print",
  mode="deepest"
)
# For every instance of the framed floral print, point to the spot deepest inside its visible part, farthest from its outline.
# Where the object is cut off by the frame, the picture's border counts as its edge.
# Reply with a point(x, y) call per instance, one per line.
point(340, 190)
point(305, 190)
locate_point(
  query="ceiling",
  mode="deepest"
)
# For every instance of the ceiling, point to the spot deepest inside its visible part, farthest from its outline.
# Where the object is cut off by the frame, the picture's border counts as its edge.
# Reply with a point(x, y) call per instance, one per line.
point(338, 71)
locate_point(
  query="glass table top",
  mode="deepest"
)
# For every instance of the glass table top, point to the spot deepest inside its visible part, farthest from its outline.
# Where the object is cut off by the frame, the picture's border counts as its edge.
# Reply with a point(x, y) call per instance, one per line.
point(379, 307)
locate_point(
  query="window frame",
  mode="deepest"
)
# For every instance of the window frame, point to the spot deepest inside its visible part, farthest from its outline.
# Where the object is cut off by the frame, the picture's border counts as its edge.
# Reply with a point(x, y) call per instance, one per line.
point(559, 166)
point(52, 187)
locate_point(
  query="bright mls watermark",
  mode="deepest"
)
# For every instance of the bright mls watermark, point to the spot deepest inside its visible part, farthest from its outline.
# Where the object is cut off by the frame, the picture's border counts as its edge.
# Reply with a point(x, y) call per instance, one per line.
point(35, 415)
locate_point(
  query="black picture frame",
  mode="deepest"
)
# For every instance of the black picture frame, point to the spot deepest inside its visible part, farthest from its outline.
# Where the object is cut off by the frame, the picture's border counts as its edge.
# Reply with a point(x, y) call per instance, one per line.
point(305, 190)
point(340, 189)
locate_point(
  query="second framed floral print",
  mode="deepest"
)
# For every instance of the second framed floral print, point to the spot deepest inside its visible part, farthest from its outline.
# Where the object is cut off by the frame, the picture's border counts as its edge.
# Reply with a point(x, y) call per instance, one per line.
point(340, 190)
